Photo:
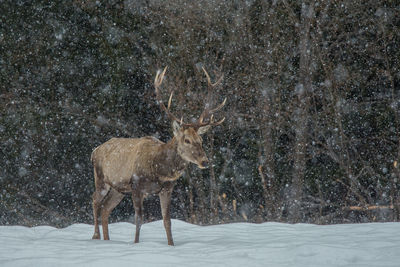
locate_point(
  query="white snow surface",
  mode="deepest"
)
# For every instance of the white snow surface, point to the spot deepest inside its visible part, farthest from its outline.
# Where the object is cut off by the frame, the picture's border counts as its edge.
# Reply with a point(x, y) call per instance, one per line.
point(237, 244)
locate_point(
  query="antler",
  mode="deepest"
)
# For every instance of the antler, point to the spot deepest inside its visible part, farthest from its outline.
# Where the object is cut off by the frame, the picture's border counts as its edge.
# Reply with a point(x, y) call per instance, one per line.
point(207, 114)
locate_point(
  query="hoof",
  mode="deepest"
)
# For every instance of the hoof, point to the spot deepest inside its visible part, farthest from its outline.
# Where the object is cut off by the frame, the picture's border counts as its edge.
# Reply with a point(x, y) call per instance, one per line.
point(96, 236)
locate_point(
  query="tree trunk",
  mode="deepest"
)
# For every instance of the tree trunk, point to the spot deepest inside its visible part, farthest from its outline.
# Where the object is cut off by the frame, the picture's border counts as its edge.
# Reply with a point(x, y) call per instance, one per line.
point(301, 114)
point(266, 167)
point(213, 184)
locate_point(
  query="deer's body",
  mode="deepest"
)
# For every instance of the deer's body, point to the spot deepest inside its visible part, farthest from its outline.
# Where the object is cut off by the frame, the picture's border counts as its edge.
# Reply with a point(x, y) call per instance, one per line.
point(142, 166)
point(129, 164)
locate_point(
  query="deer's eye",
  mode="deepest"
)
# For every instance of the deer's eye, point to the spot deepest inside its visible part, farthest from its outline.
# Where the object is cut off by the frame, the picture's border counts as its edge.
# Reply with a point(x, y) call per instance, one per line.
point(187, 141)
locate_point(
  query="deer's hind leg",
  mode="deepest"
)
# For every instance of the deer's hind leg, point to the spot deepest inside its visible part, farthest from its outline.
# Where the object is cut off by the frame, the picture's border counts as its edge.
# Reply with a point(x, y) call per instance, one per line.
point(110, 202)
point(98, 198)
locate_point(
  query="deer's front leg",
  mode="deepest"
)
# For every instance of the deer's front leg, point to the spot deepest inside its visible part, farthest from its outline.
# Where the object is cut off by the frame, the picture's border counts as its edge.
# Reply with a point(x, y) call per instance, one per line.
point(165, 200)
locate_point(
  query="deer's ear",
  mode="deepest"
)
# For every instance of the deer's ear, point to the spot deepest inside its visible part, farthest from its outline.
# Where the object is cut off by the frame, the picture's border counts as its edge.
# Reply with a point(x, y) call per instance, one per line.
point(176, 128)
point(203, 129)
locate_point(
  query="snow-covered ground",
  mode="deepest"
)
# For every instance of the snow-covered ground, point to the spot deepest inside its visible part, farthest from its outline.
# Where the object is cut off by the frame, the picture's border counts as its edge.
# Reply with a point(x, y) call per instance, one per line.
point(239, 244)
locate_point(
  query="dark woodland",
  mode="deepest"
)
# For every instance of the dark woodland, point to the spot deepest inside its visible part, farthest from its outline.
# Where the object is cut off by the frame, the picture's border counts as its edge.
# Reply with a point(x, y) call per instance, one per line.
point(312, 129)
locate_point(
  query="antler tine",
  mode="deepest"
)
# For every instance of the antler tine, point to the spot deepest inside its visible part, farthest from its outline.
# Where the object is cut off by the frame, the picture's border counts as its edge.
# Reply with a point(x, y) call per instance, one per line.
point(170, 100)
point(218, 122)
point(209, 80)
point(207, 76)
point(219, 107)
point(212, 123)
point(157, 82)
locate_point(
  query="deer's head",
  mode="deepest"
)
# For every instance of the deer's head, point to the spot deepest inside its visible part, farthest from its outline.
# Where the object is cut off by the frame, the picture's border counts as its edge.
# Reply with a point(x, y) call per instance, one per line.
point(188, 135)
point(190, 144)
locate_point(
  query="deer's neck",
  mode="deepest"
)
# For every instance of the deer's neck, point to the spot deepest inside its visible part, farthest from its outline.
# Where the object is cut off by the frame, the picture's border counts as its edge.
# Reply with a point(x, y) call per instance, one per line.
point(170, 165)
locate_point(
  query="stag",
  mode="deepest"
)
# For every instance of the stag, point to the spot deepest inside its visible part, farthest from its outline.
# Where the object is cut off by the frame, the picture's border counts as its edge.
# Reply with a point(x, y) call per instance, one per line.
point(143, 166)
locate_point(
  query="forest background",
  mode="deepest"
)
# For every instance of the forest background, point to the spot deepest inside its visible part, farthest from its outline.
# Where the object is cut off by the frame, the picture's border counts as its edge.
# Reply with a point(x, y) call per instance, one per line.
point(312, 116)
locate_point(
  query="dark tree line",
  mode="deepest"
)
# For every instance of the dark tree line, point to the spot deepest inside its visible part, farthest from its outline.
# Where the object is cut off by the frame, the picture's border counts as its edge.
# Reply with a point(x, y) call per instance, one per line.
point(313, 111)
